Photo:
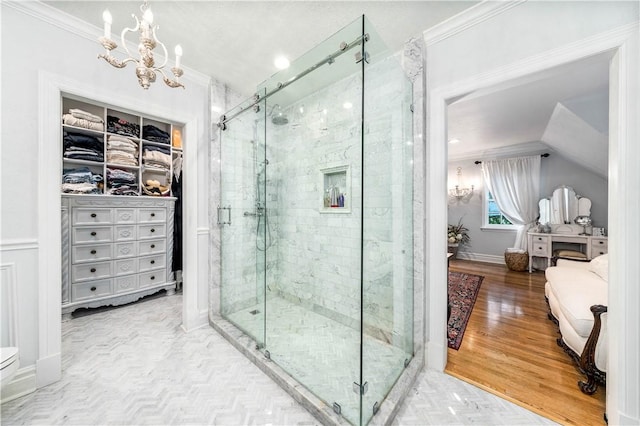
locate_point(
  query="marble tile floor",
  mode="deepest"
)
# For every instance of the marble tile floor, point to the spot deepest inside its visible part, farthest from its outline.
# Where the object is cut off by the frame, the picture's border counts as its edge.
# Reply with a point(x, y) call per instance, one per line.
point(133, 365)
point(325, 355)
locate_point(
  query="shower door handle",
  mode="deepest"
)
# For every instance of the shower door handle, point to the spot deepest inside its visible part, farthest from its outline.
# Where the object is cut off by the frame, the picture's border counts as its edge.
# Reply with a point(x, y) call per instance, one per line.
point(228, 221)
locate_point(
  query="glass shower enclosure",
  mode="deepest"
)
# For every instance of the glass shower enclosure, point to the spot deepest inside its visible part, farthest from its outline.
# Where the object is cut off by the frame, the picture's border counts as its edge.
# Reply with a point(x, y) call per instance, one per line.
point(316, 221)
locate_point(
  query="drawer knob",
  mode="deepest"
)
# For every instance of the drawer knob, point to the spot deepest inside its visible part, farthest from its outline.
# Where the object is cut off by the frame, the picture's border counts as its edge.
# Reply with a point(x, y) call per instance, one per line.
point(539, 238)
point(93, 289)
point(153, 214)
point(153, 261)
point(600, 242)
point(153, 277)
point(93, 270)
point(93, 252)
point(93, 233)
point(153, 246)
point(153, 230)
point(93, 215)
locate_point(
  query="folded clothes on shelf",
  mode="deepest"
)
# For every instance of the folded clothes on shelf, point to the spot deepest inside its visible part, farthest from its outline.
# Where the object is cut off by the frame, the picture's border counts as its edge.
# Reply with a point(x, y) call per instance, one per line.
point(82, 147)
point(122, 127)
point(156, 158)
point(121, 182)
point(154, 134)
point(81, 180)
point(122, 150)
point(79, 118)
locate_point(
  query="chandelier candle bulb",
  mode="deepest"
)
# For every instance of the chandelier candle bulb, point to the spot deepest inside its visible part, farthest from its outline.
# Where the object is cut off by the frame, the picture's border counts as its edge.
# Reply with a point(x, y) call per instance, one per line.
point(106, 16)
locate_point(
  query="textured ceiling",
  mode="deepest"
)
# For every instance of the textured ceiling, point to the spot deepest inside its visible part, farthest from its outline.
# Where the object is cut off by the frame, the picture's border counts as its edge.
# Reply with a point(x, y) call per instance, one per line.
point(236, 41)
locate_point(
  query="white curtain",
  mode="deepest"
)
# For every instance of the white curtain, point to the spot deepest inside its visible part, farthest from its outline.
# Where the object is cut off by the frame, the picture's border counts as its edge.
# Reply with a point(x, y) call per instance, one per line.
point(515, 186)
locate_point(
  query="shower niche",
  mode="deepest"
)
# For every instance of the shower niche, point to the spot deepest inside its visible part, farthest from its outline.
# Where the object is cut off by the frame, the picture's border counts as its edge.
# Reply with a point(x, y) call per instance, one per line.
point(336, 190)
point(317, 258)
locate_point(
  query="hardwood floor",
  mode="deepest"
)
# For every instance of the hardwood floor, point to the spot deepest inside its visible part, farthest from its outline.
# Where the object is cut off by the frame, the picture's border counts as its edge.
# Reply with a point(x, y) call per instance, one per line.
point(509, 348)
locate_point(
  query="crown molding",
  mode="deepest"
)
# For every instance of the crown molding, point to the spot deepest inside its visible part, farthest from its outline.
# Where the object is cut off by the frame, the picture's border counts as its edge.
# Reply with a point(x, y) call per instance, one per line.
point(83, 29)
point(467, 19)
point(517, 150)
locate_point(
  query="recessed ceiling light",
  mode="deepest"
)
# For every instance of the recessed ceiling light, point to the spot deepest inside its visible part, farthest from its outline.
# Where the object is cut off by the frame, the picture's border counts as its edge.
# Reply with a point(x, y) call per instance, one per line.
point(281, 62)
point(454, 140)
point(347, 105)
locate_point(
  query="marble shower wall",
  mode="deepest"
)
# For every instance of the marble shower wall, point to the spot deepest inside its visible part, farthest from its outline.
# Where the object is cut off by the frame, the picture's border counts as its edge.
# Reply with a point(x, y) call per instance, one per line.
point(317, 252)
point(313, 258)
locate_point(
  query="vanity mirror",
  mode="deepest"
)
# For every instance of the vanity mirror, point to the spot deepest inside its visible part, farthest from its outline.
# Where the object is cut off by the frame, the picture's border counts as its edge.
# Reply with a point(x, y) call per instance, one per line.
point(563, 207)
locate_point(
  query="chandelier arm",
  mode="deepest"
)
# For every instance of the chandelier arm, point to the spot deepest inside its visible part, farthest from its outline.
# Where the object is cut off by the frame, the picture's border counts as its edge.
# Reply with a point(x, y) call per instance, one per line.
point(115, 62)
point(169, 82)
point(123, 40)
point(164, 48)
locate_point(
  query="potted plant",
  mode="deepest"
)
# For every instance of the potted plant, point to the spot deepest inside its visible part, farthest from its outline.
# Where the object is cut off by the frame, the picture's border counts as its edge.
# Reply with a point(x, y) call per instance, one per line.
point(457, 235)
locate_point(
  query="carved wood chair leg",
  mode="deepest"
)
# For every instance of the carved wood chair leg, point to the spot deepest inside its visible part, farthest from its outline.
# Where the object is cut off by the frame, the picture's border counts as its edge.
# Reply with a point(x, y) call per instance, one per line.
point(590, 386)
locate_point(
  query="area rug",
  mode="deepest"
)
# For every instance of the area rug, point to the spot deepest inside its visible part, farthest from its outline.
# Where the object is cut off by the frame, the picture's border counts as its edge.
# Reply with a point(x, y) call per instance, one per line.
point(463, 291)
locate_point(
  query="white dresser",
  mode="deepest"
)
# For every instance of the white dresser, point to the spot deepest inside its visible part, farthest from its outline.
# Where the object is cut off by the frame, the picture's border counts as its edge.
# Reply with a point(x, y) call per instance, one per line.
point(541, 245)
point(115, 249)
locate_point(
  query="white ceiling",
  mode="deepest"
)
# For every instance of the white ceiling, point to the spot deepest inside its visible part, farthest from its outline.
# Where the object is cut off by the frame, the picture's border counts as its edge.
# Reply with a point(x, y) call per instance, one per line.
point(237, 41)
point(513, 118)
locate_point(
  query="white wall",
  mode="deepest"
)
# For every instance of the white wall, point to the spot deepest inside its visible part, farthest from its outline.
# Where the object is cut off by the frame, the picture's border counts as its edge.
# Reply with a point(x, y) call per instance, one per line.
point(504, 41)
point(35, 52)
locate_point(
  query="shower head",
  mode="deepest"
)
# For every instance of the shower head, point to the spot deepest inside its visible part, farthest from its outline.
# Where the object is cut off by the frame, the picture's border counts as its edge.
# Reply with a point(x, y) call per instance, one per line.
point(277, 116)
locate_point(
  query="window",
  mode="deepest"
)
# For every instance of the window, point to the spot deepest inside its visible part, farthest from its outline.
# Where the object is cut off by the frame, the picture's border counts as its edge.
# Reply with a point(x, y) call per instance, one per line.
point(493, 217)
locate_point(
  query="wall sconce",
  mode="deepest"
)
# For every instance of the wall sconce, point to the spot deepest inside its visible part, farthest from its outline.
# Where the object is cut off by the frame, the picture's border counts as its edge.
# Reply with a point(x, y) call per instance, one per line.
point(458, 191)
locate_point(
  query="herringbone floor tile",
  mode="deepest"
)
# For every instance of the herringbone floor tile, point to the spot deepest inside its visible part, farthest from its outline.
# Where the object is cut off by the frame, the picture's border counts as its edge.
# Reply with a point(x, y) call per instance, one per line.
point(133, 365)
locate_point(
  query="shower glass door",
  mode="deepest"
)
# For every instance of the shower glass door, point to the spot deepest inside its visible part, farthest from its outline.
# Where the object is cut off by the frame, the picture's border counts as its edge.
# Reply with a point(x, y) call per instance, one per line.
point(241, 220)
point(314, 150)
point(387, 274)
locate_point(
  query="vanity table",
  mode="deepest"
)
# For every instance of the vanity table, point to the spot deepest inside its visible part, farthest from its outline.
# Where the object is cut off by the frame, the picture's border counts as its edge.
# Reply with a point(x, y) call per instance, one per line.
point(541, 245)
point(558, 214)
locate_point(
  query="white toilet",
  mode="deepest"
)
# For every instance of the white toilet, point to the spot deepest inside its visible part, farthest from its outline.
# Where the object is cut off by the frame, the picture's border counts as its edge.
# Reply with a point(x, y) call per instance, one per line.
point(10, 364)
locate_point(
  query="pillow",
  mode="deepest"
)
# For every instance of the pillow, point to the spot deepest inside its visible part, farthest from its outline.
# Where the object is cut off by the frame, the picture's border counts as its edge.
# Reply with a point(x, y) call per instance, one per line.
point(600, 266)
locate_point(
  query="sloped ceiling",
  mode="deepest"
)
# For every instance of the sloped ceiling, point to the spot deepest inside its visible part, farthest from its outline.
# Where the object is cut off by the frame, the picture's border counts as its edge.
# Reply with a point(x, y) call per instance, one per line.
point(575, 139)
point(563, 111)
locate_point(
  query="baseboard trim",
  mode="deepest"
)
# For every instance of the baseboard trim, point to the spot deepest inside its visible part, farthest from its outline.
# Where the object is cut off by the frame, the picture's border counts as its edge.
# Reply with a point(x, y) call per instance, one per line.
point(23, 383)
point(48, 370)
point(479, 257)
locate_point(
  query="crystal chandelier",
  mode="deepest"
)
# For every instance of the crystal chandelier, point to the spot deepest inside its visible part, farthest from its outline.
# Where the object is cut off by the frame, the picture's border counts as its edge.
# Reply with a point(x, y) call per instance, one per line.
point(145, 65)
point(458, 192)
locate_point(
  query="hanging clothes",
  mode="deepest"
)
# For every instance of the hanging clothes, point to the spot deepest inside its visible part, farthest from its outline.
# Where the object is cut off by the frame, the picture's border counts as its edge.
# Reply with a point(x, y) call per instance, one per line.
point(176, 189)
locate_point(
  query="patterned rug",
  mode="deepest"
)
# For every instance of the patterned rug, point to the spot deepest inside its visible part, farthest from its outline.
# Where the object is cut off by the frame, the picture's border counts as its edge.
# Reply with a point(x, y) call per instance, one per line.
point(463, 291)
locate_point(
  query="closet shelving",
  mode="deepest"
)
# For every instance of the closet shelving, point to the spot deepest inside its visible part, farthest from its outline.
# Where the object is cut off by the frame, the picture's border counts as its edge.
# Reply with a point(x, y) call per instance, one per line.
point(150, 177)
point(118, 210)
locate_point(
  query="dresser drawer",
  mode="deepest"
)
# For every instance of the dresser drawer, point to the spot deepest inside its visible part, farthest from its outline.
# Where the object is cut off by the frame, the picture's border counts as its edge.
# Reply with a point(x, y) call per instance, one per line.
point(149, 279)
point(92, 234)
point(124, 232)
point(151, 247)
point(125, 283)
point(90, 290)
point(122, 250)
point(152, 262)
point(599, 247)
point(90, 253)
point(125, 266)
point(91, 216)
point(125, 216)
point(90, 271)
point(152, 215)
point(151, 231)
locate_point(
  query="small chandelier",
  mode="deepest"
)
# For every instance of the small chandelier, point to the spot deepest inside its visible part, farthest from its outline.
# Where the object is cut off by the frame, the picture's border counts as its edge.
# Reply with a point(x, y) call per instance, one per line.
point(458, 192)
point(145, 64)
